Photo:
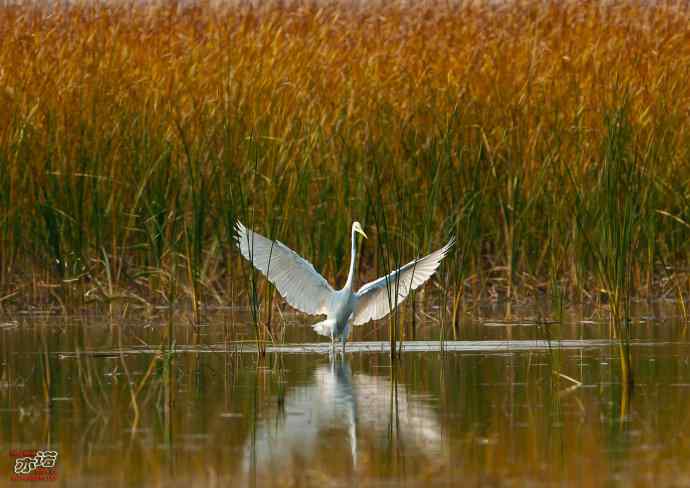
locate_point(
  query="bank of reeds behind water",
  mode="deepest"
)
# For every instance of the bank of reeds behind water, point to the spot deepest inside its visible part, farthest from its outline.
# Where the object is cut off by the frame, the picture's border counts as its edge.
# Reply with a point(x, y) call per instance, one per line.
point(132, 137)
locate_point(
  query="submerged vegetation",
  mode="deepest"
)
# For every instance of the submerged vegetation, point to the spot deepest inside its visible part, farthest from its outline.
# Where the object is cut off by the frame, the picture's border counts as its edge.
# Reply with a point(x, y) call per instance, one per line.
point(551, 137)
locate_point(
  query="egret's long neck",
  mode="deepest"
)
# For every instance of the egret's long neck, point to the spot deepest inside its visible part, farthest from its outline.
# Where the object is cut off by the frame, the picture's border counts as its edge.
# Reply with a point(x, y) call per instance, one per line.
point(353, 260)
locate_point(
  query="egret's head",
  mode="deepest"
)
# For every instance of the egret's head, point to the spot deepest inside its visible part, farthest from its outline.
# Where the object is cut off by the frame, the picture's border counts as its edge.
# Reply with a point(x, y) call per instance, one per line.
point(356, 227)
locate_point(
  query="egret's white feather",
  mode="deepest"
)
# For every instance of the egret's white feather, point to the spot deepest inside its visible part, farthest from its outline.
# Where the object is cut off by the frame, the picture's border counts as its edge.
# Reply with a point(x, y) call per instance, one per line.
point(295, 278)
point(325, 327)
point(376, 299)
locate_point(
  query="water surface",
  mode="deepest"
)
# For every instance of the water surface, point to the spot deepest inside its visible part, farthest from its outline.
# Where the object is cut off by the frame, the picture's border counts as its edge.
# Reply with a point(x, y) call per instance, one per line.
point(506, 404)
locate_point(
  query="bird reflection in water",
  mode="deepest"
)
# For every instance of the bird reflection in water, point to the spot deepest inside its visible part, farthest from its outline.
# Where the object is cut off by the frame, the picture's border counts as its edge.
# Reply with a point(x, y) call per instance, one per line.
point(339, 424)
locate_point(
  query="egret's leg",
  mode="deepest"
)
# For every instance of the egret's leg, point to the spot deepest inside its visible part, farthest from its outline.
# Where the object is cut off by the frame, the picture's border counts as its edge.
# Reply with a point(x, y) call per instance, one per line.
point(346, 334)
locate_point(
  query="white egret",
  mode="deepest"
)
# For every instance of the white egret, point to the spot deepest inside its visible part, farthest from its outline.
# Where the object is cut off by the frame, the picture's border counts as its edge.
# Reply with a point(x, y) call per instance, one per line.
point(306, 290)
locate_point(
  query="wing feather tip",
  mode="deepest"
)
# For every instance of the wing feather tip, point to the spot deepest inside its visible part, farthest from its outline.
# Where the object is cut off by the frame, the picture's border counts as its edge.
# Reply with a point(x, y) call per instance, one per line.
point(239, 229)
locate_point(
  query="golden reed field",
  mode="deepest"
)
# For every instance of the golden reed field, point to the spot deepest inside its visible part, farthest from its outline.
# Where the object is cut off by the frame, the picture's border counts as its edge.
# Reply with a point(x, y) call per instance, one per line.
point(551, 137)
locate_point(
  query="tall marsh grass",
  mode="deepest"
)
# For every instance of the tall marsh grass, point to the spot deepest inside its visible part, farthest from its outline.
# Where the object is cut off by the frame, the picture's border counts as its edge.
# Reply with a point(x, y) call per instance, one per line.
point(131, 138)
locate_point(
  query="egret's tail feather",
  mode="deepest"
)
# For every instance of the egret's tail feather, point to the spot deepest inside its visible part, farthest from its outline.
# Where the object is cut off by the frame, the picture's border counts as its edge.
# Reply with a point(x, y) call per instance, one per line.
point(325, 327)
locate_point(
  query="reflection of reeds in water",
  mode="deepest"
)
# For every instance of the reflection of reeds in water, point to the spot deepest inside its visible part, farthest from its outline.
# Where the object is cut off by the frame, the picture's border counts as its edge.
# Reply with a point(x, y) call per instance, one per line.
point(455, 418)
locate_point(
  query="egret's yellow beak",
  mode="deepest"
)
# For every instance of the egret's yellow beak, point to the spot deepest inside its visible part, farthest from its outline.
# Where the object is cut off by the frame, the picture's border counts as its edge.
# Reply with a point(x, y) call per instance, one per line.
point(357, 227)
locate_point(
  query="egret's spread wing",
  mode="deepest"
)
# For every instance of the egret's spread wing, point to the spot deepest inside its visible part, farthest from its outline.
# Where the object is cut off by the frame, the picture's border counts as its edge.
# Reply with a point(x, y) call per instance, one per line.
point(374, 299)
point(295, 278)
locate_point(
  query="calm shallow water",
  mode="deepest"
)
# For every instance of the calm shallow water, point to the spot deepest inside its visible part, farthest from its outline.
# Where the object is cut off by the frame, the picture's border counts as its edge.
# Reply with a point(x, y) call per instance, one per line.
point(498, 407)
